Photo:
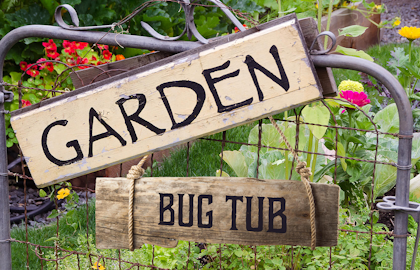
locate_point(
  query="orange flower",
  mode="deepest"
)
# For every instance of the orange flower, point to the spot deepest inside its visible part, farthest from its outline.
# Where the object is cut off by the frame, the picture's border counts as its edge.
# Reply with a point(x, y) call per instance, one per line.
point(119, 57)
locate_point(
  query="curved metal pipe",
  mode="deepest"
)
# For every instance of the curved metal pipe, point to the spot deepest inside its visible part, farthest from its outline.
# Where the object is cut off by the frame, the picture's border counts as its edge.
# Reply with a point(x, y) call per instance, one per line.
point(404, 145)
point(56, 32)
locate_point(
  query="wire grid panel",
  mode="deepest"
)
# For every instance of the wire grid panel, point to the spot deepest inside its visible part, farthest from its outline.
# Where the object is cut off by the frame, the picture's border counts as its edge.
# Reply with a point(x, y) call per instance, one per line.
point(191, 255)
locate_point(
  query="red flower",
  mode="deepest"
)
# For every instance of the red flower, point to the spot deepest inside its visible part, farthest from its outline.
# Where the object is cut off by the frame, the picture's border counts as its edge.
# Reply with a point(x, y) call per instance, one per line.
point(100, 63)
point(70, 49)
point(107, 55)
point(26, 103)
point(33, 71)
point(66, 43)
point(80, 45)
point(237, 29)
point(23, 65)
point(102, 47)
point(50, 45)
point(82, 61)
point(93, 58)
point(52, 54)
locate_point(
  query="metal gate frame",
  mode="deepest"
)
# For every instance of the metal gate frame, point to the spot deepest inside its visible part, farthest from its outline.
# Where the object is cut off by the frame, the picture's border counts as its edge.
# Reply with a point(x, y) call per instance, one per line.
point(405, 136)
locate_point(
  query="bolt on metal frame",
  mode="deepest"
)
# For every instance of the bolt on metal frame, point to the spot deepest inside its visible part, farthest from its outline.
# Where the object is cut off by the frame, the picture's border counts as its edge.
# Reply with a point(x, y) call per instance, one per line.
point(133, 41)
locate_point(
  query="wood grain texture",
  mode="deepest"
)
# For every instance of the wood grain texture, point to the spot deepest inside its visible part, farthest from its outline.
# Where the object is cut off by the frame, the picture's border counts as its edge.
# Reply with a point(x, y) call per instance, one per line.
point(85, 119)
point(87, 76)
point(112, 212)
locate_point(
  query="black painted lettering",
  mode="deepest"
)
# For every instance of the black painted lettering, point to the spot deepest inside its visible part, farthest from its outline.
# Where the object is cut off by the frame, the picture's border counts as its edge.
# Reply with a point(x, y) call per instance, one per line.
point(211, 81)
point(234, 200)
point(75, 144)
point(199, 91)
point(135, 116)
point(249, 214)
point(279, 213)
point(190, 211)
point(252, 65)
point(168, 207)
point(110, 131)
point(209, 214)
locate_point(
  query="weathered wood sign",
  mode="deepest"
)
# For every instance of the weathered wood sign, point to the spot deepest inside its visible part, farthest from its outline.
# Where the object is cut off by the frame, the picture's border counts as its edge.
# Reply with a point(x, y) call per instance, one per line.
point(234, 80)
point(244, 211)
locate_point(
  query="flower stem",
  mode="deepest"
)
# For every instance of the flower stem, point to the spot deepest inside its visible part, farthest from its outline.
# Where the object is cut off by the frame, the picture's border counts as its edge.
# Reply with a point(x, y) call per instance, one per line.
point(309, 157)
point(279, 3)
point(314, 160)
point(330, 7)
point(319, 15)
point(409, 50)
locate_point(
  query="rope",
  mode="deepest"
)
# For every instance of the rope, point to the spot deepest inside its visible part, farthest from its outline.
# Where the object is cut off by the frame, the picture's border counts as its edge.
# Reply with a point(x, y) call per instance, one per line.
point(304, 174)
point(136, 172)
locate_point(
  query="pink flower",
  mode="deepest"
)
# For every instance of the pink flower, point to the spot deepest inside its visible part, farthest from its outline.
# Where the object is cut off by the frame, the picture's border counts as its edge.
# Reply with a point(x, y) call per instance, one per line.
point(360, 99)
point(47, 65)
point(103, 47)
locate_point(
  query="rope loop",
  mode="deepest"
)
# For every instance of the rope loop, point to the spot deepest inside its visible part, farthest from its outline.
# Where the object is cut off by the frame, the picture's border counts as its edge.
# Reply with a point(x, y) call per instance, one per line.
point(136, 172)
point(305, 173)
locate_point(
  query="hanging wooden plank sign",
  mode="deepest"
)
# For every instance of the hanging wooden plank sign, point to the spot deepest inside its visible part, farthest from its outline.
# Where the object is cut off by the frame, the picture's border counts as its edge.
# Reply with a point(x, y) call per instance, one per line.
point(244, 211)
point(231, 81)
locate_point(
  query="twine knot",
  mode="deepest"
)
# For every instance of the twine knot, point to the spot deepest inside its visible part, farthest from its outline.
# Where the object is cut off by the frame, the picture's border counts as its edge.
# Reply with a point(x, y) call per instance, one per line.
point(303, 170)
point(135, 172)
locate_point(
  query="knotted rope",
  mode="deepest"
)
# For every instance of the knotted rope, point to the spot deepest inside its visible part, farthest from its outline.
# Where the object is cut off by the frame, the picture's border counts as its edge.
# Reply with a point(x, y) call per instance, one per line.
point(136, 172)
point(304, 174)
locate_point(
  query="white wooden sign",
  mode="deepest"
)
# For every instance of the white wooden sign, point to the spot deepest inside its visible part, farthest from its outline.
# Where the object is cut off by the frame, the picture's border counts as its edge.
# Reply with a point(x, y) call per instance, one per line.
point(235, 210)
point(234, 80)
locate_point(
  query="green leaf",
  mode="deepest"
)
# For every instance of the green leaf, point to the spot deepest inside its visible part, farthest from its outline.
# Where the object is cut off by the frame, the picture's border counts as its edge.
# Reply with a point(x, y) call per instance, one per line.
point(388, 119)
point(71, 2)
point(317, 115)
point(415, 149)
point(59, 68)
point(15, 77)
point(341, 152)
point(224, 174)
point(353, 52)
point(352, 31)
point(320, 173)
point(42, 193)
point(385, 178)
point(52, 239)
point(236, 161)
point(54, 214)
point(50, 5)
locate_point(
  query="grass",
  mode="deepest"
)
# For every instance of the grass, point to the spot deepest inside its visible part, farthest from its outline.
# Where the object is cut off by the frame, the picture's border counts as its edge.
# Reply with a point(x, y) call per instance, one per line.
point(44, 236)
point(204, 161)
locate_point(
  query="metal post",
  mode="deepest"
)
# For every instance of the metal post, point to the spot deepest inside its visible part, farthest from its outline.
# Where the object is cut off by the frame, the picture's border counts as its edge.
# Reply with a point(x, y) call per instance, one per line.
point(404, 146)
point(57, 33)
